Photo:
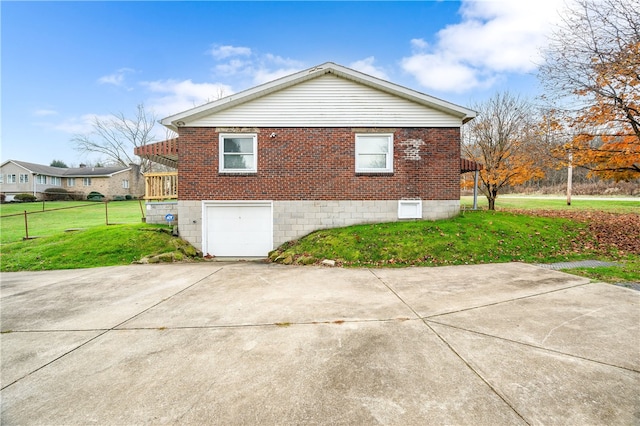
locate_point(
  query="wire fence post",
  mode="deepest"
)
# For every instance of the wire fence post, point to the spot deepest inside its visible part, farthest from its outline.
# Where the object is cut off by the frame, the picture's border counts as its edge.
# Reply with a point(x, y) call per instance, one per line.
point(106, 213)
point(26, 226)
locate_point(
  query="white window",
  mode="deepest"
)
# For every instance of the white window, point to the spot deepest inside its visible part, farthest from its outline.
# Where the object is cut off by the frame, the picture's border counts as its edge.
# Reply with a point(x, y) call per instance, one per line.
point(374, 153)
point(238, 153)
point(56, 181)
point(71, 181)
point(86, 181)
point(41, 179)
point(11, 178)
point(24, 178)
point(125, 184)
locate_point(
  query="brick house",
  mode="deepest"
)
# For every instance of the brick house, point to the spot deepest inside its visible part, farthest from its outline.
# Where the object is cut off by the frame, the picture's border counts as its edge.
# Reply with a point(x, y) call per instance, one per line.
point(325, 147)
point(18, 177)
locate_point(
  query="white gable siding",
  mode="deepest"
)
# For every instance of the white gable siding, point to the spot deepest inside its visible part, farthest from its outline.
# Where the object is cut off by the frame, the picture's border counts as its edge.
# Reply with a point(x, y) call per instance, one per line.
point(329, 101)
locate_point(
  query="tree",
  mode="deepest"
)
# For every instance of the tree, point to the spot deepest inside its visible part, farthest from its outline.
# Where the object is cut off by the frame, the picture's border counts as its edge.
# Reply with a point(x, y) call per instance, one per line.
point(116, 137)
point(501, 138)
point(59, 163)
point(591, 72)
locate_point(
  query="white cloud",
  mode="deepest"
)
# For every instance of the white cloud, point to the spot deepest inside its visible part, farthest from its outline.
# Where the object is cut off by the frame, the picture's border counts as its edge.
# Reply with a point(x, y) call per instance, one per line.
point(222, 52)
point(366, 66)
point(117, 78)
point(419, 44)
point(79, 125)
point(259, 68)
point(173, 96)
point(493, 38)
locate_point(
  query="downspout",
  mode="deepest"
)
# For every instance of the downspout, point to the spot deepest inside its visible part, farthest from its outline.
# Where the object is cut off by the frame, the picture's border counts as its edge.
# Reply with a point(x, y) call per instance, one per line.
point(34, 184)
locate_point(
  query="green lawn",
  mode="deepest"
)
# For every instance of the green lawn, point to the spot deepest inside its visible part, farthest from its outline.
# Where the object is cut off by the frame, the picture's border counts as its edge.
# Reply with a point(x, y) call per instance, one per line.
point(472, 237)
point(58, 216)
point(610, 204)
point(100, 245)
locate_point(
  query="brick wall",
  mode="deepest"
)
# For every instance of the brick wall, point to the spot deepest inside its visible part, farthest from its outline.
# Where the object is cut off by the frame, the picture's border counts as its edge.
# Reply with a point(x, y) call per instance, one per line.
point(319, 164)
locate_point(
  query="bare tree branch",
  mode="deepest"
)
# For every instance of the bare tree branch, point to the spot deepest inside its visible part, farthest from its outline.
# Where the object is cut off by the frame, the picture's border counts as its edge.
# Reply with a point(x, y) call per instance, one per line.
point(116, 137)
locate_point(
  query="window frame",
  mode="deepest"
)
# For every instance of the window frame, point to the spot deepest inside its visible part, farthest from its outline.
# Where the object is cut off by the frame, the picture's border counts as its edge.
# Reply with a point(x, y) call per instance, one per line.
point(11, 178)
point(125, 183)
point(71, 182)
point(56, 181)
point(24, 178)
point(221, 154)
point(41, 179)
point(388, 169)
point(86, 181)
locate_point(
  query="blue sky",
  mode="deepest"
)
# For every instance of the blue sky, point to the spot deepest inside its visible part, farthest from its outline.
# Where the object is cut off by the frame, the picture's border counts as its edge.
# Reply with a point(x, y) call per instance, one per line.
point(64, 63)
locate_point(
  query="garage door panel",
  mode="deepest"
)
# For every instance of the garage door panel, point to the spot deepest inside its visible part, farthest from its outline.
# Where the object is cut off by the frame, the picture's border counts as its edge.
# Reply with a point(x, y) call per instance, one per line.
point(239, 229)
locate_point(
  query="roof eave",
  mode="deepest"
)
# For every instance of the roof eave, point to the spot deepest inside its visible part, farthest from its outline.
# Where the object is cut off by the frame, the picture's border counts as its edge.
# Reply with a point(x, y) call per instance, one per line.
point(181, 119)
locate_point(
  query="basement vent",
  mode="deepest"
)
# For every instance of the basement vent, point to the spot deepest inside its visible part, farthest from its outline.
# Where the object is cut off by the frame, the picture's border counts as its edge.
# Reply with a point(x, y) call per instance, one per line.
point(410, 209)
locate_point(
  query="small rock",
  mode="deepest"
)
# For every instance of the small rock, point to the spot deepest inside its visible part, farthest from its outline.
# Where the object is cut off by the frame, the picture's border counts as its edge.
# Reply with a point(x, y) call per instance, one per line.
point(329, 262)
point(305, 260)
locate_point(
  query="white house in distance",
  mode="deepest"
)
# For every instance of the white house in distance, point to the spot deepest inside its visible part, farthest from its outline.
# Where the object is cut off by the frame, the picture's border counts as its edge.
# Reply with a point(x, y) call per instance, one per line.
point(21, 177)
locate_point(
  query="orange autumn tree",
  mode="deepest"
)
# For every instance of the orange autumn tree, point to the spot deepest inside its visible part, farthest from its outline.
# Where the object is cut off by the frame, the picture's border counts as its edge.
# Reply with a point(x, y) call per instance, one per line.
point(592, 69)
point(501, 138)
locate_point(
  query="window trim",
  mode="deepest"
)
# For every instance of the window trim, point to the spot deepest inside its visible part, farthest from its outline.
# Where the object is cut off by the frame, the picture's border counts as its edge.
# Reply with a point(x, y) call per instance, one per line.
point(41, 179)
point(11, 178)
point(125, 183)
point(86, 181)
point(71, 182)
point(24, 178)
point(221, 153)
point(389, 163)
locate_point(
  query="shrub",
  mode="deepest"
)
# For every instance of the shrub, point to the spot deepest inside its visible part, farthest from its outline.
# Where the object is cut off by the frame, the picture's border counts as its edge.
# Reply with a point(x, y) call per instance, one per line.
point(128, 197)
point(56, 194)
point(118, 198)
point(77, 195)
point(95, 196)
point(25, 198)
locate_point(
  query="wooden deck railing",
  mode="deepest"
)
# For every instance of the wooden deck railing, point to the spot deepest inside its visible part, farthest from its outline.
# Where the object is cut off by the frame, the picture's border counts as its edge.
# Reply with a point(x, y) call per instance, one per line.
point(161, 186)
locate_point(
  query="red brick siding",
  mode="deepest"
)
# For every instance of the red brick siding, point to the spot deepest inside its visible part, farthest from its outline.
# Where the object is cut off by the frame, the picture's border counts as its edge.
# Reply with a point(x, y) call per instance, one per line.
point(319, 164)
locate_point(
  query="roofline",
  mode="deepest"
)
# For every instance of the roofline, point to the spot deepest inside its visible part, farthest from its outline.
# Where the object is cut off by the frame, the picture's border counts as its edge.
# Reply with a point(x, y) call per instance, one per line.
point(173, 122)
point(61, 174)
point(17, 164)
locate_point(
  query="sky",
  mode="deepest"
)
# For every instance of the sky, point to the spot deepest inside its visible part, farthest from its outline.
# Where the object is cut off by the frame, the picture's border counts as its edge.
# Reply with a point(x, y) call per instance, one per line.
point(65, 63)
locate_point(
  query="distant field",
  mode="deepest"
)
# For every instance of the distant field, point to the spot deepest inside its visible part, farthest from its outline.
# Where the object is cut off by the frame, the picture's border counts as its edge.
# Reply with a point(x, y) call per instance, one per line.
point(59, 216)
point(613, 205)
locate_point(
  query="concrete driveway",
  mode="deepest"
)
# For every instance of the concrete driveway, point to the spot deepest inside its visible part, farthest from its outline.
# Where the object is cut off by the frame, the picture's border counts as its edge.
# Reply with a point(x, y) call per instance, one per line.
point(251, 343)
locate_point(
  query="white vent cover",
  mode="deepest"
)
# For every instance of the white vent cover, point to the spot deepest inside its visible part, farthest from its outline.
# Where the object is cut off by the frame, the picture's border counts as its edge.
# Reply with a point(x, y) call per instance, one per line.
point(409, 209)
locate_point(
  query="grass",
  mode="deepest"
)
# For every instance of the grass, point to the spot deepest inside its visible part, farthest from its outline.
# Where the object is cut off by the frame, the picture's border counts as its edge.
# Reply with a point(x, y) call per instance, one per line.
point(472, 237)
point(58, 216)
point(98, 246)
point(556, 203)
point(628, 272)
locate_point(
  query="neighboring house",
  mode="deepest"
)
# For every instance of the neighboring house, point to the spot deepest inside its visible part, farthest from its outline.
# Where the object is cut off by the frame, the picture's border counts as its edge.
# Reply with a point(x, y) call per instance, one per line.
point(325, 147)
point(18, 177)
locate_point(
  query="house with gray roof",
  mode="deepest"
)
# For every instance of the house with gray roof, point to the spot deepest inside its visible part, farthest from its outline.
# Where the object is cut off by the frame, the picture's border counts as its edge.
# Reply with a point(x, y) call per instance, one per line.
point(21, 177)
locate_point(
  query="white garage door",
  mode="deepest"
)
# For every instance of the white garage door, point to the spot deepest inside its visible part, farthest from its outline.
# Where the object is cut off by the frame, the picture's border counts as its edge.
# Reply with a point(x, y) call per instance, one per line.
point(238, 228)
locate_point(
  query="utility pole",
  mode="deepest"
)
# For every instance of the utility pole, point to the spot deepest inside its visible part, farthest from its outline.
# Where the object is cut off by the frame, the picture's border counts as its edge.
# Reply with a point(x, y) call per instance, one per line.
point(569, 178)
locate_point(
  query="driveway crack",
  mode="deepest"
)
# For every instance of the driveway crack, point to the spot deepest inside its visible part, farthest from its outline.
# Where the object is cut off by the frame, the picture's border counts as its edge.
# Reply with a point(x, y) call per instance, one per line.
point(105, 331)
